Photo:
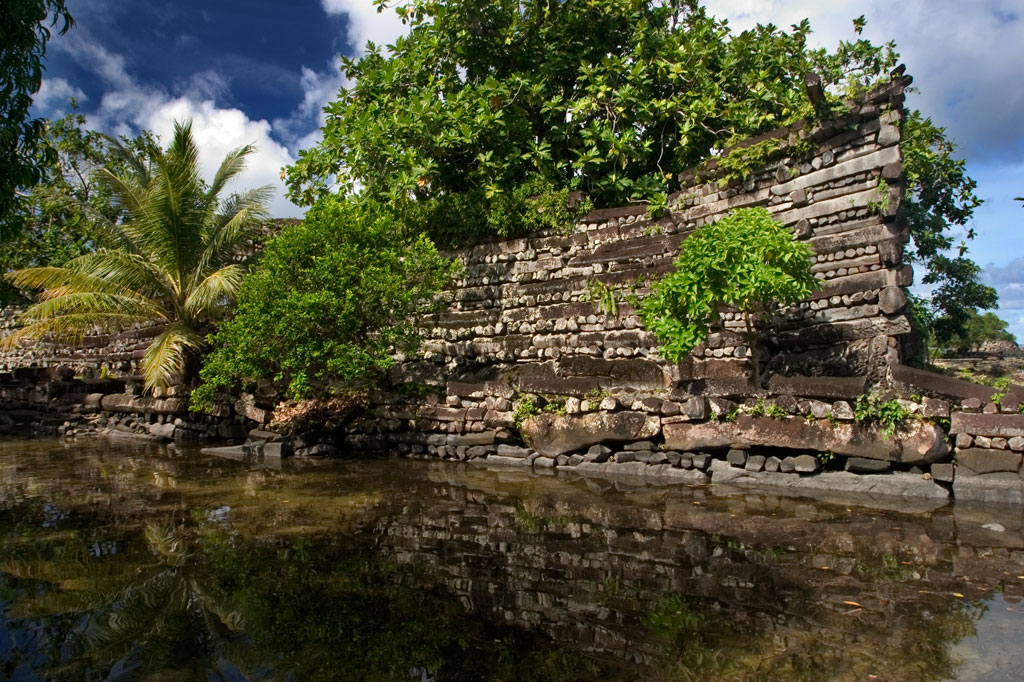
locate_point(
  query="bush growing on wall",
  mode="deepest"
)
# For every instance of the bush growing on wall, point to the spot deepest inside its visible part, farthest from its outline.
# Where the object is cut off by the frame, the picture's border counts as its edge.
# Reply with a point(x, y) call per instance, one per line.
point(330, 302)
point(746, 261)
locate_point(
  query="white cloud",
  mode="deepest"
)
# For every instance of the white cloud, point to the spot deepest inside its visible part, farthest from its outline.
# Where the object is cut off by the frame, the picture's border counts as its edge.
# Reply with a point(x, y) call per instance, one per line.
point(301, 130)
point(365, 23)
point(128, 107)
point(54, 97)
point(965, 58)
point(218, 131)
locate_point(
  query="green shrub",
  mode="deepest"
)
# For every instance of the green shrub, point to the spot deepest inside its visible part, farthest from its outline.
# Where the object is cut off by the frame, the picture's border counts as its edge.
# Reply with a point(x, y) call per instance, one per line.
point(888, 414)
point(746, 261)
point(333, 298)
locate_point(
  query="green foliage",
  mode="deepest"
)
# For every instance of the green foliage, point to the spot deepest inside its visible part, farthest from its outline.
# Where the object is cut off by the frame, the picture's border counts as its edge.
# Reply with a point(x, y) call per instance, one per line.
point(977, 329)
point(826, 457)
point(25, 28)
point(523, 409)
point(604, 295)
point(554, 404)
point(613, 98)
point(888, 414)
point(330, 302)
point(673, 618)
point(746, 261)
point(174, 260)
point(767, 409)
point(879, 203)
point(58, 217)
point(940, 198)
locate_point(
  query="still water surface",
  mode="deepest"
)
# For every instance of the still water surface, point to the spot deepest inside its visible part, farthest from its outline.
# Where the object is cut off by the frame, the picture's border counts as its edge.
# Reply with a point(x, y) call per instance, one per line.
point(138, 562)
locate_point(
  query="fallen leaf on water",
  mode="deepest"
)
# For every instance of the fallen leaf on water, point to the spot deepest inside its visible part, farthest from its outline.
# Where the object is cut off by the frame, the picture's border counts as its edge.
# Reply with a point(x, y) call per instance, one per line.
point(957, 594)
point(851, 603)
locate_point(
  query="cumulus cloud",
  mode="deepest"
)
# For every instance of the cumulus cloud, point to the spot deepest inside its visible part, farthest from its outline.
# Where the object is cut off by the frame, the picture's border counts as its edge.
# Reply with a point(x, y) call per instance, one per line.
point(128, 106)
point(54, 97)
point(365, 23)
point(1008, 280)
point(965, 58)
point(302, 129)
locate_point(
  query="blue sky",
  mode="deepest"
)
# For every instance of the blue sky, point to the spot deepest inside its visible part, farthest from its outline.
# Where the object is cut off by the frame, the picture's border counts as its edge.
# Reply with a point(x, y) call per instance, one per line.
point(261, 70)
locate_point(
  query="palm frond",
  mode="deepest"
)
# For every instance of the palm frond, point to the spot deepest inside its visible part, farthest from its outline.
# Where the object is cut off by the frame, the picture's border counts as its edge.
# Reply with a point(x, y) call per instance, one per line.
point(164, 358)
point(70, 328)
point(233, 229)
point(232, 165)
point(126, 270)
point(218, 286)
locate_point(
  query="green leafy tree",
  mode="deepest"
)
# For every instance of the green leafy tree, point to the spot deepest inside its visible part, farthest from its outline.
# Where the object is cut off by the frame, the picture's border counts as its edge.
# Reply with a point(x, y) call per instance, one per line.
point(981, 327)
point(613, 98)
point(175, 260)
point(747, 262)
point(58, 216)
point(333, 298)
point(940, 198)
point(23, 36)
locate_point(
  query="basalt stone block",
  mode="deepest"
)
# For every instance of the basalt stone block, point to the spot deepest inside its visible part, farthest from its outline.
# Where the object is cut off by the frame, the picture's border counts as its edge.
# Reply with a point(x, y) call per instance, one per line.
point(123, 402)
point(772, 464)
point(695, 408)
point(701, 461)
point(934, 408)
point(1001, 425)
point(513, 451)
point(321, 450)
point(919, 442)
point(861, 465)
point(998, 487)
point(625, 456)
point(552, 435)
point(943, 472)
point(736, 458)
point(842, 410)
point(986, 461)
point(754, 463)
point(639, 445)
point(658, 458)
point(916, 380)
point(277, 449)
point(633, 373)
point(806, 464)
point(598, 453)
point(828, 388)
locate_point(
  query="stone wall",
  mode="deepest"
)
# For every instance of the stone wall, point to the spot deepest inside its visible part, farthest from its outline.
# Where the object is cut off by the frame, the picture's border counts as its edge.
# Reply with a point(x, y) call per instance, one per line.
point(118, 354)
point(524, 312)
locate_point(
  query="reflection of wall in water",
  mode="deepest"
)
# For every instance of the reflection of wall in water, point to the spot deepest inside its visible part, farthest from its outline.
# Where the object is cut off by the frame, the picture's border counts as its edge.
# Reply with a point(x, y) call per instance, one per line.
point(773, 567)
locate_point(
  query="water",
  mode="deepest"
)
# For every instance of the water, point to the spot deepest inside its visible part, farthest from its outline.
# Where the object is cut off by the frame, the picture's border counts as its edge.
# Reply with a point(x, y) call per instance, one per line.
point(141, 562)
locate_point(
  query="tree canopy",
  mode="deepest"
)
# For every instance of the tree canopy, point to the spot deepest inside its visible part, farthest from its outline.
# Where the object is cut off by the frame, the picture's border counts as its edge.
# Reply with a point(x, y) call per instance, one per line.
point(332, 299)
point(24, 31)
point(490, 111)
point(58, 216)
point(610, 97)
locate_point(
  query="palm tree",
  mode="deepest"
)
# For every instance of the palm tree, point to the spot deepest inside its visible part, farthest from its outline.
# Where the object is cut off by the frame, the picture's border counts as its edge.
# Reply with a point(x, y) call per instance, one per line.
point(176, 260)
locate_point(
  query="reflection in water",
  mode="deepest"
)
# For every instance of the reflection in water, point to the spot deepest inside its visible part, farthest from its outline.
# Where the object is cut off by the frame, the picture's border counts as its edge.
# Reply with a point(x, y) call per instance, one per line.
point(152, 564)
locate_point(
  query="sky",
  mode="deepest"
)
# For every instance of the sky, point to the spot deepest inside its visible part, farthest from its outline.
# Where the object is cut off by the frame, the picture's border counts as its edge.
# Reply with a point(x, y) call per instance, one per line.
point(260, 71)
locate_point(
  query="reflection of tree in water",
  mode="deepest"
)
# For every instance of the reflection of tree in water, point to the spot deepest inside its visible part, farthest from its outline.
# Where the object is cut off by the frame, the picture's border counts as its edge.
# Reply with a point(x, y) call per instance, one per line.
point(145, 610)
point(709, 599)
point(173, 607)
